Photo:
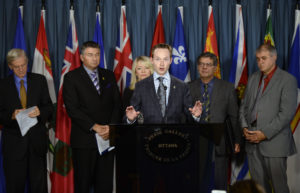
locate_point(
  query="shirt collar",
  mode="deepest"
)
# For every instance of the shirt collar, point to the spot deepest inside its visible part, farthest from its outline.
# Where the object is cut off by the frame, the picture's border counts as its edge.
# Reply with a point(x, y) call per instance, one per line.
point(166, 75)
point(270, 75)
point(18, 79)
point(210, 83)
point(89, 71)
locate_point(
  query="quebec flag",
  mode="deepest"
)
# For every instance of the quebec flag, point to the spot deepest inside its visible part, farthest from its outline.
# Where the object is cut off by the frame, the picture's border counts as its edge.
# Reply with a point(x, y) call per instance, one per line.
point(180, 67)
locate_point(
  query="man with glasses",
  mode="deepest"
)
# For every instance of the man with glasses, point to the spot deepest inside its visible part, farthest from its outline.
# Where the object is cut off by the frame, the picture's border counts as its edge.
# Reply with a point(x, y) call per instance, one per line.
point(24, 156)
point(266, 111)
point(219, 102)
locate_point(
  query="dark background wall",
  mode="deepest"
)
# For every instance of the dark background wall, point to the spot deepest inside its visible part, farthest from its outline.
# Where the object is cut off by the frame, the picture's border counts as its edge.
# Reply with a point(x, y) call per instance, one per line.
point(141, 16)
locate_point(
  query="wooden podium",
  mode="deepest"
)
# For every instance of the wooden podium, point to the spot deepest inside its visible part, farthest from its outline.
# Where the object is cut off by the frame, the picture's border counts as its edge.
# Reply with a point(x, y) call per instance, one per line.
point(167, 158)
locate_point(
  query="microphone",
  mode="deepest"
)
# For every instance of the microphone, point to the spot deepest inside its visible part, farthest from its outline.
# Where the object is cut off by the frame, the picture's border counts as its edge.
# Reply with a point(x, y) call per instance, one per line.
point(140, 118)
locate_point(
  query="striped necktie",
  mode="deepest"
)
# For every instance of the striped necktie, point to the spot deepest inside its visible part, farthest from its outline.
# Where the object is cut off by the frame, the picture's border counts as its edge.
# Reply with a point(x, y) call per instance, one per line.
point(95, 81)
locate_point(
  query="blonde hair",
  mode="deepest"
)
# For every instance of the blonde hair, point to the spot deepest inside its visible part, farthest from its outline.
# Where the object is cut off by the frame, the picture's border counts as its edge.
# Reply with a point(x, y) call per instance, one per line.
point(14, 54)
point(145, 60)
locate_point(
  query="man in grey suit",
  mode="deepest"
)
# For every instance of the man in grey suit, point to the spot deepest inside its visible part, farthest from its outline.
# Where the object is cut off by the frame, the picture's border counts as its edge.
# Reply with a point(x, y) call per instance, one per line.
point(219, 102)
point(266, 112)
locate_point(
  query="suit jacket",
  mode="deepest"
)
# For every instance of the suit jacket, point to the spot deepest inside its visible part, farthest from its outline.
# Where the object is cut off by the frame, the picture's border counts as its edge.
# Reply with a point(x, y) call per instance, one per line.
point(276, 109)
point(14, 145)
point(223, 105)
point(146, 101)
point(86, 107)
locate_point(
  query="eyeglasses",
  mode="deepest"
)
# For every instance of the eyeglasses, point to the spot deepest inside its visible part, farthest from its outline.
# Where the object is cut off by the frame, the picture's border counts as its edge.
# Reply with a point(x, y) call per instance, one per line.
point(202, 64)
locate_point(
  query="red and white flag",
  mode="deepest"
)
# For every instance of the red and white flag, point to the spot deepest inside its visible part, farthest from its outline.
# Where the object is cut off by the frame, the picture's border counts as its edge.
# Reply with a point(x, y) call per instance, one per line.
point(123, 54)
point(159, 32)
point(41, 60)
point(63, 173)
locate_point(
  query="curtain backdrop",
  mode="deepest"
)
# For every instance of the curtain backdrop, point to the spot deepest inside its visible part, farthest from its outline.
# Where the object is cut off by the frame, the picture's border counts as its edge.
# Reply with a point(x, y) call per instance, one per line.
point(141, 16)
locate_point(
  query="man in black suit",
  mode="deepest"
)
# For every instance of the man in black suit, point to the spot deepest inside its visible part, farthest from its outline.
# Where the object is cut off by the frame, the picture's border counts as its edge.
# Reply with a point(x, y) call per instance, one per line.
point(24, 157)
point(92, 100)
point(175, 108)
point(219, 103)
point(145, 100)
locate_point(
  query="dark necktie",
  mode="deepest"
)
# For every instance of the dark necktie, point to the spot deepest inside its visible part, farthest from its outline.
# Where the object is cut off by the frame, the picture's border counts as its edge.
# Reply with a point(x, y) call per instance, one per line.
point(95, 81)
point(161, 92)
point(23, 96)
point(205, 106)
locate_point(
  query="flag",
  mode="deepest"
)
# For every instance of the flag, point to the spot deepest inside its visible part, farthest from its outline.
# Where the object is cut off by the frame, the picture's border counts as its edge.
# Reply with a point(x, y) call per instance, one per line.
point(123, 55)
point(269, 37)
point(98, 38)
point(19, 40)
point(211, 44)
point(62, 176)
point(159, 33)
point(180, 67)
point(294, 68)
point(42, 65)
point(239, 77)
point(239, 68)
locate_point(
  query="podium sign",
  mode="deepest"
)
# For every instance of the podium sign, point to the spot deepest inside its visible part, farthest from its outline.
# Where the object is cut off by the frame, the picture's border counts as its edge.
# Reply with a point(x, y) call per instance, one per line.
point(167, 158)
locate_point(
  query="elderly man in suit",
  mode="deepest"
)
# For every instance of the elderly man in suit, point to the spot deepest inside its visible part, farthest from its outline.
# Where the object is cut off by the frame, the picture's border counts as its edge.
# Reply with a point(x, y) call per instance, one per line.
point(24, 157)
point(219, 102)
point(92, 100)
point(266, 112)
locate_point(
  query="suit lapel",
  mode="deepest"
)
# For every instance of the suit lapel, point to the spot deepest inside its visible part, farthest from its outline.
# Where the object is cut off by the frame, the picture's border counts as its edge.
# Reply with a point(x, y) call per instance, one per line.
point(30, 90)
point(14, 90)
point(86, 78)
point(172, 92)
point(272, 82)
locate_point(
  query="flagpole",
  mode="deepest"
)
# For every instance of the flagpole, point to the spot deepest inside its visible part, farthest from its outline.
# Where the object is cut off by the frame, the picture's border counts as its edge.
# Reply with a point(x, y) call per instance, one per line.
point(123, 2)
point(71, 4)
point(43, 4)
point(98, 6)
point(160, 2)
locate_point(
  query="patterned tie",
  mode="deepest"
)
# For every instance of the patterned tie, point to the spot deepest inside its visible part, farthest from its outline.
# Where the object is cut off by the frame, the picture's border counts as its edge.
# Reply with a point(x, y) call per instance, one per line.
point(205, 107)
point(161, 92)
point(23, 96)
point(95, 81)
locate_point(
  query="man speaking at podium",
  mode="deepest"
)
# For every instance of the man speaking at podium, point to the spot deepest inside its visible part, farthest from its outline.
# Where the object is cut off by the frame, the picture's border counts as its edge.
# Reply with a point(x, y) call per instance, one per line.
point(162, 99)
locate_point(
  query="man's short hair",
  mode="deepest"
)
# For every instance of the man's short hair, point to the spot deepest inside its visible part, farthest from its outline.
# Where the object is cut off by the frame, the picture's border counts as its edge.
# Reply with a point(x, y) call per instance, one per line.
point(14, 54)
point(210, 55)
point(267, 47)
point(89, 44)
point(163, 46)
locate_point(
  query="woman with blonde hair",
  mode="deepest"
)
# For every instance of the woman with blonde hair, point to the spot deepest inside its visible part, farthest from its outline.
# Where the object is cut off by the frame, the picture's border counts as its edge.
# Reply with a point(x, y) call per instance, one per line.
point(141, 68)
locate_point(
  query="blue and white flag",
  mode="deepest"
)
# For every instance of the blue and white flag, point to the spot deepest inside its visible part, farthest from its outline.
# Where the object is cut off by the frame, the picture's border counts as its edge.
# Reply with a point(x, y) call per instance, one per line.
point(293, 164)
point(19, 41)
point(180, 67)
point(98, 39)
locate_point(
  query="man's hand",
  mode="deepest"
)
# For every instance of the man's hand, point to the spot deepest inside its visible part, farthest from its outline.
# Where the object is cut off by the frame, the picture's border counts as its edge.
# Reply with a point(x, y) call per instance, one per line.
point(35, 112)
point(102, 131)
point(131, 114)
point(254, 136)
point(237, 148)
point(13, 116)
point(196, 111)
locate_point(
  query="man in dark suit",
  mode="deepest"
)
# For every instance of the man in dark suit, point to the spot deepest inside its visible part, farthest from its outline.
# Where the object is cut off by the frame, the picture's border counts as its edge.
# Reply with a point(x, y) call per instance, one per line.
point(219, 102)
point(24, 157)
point(92, 101)
point(266, 111)
point(177, 107)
